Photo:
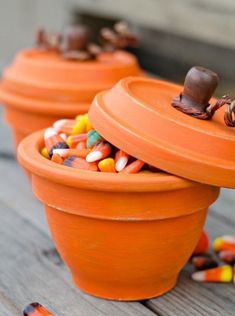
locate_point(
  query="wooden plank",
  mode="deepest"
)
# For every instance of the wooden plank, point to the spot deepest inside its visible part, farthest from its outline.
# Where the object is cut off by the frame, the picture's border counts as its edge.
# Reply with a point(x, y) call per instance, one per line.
point(191, 298)
point(16, 193)
point(27, 274)
point(206, 20)
point(225, 205)
point(7, 307)
point(6, 147)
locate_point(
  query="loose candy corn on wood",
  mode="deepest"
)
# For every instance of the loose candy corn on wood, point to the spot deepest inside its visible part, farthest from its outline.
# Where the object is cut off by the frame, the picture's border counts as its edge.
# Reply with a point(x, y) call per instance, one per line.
point(74, 143)
point(224, 243)
point(211, 271)
point(222, 274)
point(36, 309)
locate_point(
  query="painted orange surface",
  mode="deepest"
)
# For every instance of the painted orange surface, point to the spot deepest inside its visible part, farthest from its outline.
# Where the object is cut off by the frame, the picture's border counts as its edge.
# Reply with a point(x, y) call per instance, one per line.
point(41, 87)
point(139, 110)
point(123, 236)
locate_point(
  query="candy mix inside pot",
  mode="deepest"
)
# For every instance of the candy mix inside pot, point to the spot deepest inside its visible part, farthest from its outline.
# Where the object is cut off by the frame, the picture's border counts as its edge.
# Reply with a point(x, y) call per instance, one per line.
point(74, 143)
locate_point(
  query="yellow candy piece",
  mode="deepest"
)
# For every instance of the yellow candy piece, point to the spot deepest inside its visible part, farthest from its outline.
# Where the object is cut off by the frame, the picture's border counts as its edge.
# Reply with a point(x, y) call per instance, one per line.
point(44, 152)
point(107, 165)
point(226, 274)
point(79, 127)
point(79, 117)
point(84, 118)
point(68, 141)
point(218, 242)
point(88, 123)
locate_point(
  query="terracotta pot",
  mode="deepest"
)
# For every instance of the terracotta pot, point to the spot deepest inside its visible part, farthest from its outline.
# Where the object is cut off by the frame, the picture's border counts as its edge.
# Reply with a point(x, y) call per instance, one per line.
point(124, 237)
point(40, 87)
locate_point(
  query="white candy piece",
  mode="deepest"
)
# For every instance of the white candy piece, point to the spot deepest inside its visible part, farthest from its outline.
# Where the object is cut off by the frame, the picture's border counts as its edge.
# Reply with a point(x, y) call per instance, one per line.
point(49, 132)
point(58, 124)
point(94, 156)
point(121, 163)
point(60, 151)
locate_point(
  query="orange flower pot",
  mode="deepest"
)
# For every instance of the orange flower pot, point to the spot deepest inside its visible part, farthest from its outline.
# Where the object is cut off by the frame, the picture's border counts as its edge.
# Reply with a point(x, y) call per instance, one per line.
point(40, 87)
point(124, 237)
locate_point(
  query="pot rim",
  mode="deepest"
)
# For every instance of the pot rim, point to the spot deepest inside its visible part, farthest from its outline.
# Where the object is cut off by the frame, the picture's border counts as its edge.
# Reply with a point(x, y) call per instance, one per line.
point(29, 156)
point(36, 105)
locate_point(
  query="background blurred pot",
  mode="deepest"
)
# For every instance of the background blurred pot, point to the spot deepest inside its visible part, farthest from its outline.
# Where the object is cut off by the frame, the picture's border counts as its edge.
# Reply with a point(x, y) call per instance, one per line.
point(41, 87)
point(124, 237)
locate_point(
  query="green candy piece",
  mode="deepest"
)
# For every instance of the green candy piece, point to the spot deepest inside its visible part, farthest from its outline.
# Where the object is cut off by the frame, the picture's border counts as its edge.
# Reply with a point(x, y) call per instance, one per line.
point(92, 138)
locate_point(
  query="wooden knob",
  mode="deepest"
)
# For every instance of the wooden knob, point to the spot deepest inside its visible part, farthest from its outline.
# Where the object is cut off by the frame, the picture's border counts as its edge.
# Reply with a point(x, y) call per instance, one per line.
point(199, 86)
point(76, 38)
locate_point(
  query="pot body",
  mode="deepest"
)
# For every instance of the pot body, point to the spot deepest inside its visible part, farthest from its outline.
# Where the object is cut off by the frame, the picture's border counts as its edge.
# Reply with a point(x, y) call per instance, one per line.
point(124, 245)
point(123, 236)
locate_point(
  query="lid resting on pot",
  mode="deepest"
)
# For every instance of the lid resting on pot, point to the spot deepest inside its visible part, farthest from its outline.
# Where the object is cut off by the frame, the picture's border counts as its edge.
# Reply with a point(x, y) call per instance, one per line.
point(136, 115)
point(45, 75)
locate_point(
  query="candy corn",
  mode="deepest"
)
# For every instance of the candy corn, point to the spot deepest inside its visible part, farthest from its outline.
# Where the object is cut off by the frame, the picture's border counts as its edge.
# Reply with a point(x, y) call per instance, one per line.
point(80, 163)
point(64, 136)
point(64, 126)
point(53, 140)
point(36, 309)
point(81, 145)
point(100, 151)
point(121, 160)
point(57, 158)
point(133, 167)
point(221, 274)
point(227, 256)
point(73, 140)
point(107, 165)
point(226, 242)
point(204, 262)
point(202, 245)
point(74, 143)
point(69, 126)
point(65, 153)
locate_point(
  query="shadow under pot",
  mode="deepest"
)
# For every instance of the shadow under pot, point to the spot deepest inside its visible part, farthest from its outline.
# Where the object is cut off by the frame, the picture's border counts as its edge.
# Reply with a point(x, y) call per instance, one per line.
point(41, 87)
point(123, 237)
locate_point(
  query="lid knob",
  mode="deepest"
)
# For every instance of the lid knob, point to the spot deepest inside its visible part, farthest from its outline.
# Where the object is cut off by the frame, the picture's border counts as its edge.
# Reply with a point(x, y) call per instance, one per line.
point(199, 86)
point(76, 38)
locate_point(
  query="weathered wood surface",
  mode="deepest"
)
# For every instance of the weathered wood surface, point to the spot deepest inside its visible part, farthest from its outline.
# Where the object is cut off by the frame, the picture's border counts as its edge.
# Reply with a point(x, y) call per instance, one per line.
point(30, 269)
point(206, 20)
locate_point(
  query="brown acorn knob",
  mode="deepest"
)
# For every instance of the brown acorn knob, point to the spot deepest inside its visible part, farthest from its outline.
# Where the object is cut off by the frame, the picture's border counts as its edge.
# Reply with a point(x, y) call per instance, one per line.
point(76, 38)
point(199, 86)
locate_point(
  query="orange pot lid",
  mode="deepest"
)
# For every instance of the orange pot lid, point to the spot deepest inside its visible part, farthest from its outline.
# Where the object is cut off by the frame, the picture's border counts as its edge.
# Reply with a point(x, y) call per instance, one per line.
point(46, 76)
point(136, 115)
